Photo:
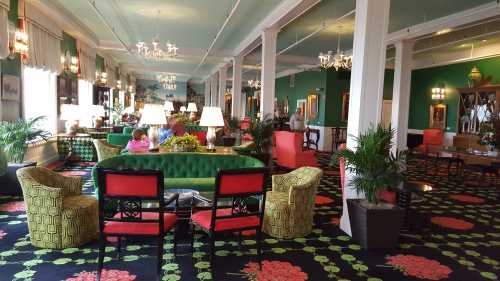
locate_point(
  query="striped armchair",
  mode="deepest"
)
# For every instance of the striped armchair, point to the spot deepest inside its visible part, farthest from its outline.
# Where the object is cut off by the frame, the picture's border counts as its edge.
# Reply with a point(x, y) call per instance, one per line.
point(290, 205)
point(59, 216)
point(105, 150)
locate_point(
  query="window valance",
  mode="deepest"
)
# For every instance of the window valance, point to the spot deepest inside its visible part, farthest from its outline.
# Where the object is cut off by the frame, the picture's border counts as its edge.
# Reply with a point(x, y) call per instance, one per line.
point(4, 28)
point(87, 61)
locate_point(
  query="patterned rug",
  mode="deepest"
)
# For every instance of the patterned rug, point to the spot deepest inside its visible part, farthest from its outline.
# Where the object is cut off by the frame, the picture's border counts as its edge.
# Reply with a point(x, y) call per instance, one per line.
point(460, 240)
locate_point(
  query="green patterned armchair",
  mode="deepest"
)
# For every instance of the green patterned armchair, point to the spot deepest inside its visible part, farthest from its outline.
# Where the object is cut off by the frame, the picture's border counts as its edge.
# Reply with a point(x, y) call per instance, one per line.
point(290, 205)
point(59, 216)
point(105, 150)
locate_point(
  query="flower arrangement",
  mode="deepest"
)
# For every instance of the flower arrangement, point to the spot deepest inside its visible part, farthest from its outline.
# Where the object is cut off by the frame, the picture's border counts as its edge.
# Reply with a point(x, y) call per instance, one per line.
point(487, 133)
point(185, 143)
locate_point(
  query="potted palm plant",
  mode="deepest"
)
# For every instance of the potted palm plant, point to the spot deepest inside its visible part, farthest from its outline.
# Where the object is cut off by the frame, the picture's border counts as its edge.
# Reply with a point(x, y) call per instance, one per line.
point(261, 132)
point(14, 138)
point(374, 224)
point(231, 138)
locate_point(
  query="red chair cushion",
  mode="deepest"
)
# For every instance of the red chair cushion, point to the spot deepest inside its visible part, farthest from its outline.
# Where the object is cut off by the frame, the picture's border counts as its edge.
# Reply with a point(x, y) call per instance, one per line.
point(131, 185)
point(244, 183)
point(388, 196)
point(433, 137)
point(204, 218)
point(139, 228)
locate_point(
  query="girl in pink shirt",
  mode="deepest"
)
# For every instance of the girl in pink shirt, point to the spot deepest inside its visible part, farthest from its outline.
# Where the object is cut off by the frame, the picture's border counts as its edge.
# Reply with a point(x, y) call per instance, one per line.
point(139, 142)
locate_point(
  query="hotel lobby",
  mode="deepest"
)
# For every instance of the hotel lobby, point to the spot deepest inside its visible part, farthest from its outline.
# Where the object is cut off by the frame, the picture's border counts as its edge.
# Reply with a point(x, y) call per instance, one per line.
point(249, 140)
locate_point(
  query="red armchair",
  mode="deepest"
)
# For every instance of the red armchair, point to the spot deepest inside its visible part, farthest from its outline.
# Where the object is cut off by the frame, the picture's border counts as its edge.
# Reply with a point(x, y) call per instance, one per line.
point(245, 124)
point(289, 153)
point(432, 138)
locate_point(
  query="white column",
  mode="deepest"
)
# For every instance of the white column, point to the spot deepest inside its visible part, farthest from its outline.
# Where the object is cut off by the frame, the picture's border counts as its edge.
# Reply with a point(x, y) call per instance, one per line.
point(268, 72)
point(222, 87)
point(401, 93)
point(214, 83)
point(367, 80)
point(237, 96)
point(207, 91)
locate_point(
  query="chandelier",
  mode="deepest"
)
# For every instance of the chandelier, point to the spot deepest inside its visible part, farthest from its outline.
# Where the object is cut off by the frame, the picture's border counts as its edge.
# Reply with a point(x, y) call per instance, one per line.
point(155, 50)
point(168, 81)
point(339, 61)
point(256, 84)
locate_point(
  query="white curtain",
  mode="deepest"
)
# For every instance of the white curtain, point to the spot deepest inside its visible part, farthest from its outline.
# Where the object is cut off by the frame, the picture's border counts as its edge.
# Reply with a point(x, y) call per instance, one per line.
point(44, 38)
point(110, 66)
point(85, 92)
point(4, 28)
point(40, 97)
point(87, 61)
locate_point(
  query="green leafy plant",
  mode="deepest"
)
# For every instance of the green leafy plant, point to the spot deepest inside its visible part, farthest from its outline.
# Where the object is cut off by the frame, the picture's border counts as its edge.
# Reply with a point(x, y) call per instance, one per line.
point(182, 118)
point(373, 165)
point(186, 142)
point(14, 137)
point(3, 162)
point(262, 134)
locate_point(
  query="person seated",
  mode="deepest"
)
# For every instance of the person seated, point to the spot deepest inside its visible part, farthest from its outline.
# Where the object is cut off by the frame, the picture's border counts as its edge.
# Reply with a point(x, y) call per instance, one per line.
point(164, 134)
point(177, 127)
point(139, 142)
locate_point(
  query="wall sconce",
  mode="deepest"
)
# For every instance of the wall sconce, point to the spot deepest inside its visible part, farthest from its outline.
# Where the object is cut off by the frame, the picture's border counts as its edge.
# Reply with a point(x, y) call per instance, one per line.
point(20, 43)
point(101, 77)
point(119, 84)
point(70, 63)
point(131, 89)
point(438, 93)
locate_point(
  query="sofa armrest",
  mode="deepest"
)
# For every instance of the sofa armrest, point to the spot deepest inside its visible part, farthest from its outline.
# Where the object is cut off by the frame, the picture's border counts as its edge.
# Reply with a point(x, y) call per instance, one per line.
point(72, 186)
point(282, 183)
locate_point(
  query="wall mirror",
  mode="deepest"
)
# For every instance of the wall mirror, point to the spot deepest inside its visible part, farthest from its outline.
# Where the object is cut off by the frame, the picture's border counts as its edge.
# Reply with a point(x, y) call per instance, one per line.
point(437, 116)
point(302, 104)
point(312, 106)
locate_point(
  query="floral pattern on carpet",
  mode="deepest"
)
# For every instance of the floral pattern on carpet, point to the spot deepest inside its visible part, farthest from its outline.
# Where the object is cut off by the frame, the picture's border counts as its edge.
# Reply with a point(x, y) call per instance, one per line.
point(325, 254)
point(106, 275)
point(274, 271)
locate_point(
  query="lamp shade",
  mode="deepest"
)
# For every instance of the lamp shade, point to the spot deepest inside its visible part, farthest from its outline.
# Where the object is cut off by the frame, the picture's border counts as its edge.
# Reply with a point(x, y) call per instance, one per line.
point(182, 109)
point(169, 106)
point(153, 114)
point(129, 110)
point(70, 112)
point(212, 117)
point(192, 107)
point(98, 111)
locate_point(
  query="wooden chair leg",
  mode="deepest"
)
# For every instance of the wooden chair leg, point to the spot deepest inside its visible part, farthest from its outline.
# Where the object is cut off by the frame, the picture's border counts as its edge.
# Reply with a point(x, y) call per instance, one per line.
point(119, 247)
point(211, 251)
point(100, 259)
point(160, 258)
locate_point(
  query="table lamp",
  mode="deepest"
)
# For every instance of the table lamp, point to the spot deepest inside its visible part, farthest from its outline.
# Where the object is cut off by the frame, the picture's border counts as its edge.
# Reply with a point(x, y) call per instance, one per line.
point(71, 114)
point(182, 109)
point(212, 118)
point(192, 109)
point(154, 116)
point(169, 107)
point(97, 114)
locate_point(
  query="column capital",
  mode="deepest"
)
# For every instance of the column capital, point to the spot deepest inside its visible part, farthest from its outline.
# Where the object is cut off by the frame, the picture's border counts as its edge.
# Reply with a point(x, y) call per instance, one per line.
point(271, 31)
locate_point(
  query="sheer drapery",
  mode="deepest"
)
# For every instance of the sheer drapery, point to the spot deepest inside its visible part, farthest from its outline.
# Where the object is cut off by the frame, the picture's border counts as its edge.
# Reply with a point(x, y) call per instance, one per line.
point(4, 28)
point(111, 71)
point(40, 97)
point(85, 92)
point(44, 38)
point(87, 61)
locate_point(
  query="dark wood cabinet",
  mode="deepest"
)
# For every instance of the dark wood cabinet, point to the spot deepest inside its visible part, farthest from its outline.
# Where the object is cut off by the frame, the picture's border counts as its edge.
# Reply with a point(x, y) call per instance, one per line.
point(67, 91)
point(102, 97)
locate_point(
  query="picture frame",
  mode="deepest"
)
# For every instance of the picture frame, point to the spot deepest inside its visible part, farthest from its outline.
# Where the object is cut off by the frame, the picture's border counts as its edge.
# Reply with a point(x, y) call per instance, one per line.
point(312, 106)
point(11, 88)
point(437, 116)
point(345, 106)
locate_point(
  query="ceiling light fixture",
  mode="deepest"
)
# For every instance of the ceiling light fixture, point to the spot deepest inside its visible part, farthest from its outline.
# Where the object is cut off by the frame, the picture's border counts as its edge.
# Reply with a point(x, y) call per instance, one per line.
point(168, 81)
point(156, 52)
point(256, 84)
point(339, 61)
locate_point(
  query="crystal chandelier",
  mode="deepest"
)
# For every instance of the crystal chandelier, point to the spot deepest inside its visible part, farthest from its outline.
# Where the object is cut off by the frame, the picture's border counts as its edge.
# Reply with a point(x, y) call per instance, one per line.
point(168, 82)
point(156, 51)
point(256, 84)
point(339, 61)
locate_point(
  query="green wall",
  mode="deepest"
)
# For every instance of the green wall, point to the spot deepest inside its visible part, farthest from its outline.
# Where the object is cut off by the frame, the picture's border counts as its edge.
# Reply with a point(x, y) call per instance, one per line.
point(99, 64)
point(452, 76)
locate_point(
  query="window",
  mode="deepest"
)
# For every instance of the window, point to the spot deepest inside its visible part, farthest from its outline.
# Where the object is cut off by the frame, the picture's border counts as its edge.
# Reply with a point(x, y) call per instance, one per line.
point(85, 92)
point(40, 97)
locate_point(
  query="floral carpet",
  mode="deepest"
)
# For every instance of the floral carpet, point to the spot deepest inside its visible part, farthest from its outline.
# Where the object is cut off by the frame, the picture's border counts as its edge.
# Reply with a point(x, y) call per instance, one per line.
point(457, 238)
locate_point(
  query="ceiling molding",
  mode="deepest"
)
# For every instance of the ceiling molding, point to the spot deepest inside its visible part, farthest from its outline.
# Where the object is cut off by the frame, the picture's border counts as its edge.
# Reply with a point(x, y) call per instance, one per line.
point(67, 21)
point(287, 11)
point(458, 19)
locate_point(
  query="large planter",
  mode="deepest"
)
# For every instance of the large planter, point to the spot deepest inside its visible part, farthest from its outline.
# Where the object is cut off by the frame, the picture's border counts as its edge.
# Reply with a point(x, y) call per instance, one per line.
point(9, 185)
point(375, 228)
point(228, 141)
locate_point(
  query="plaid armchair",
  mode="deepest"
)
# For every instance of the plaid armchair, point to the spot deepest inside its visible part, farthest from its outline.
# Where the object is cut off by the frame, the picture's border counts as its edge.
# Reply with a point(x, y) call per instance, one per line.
point(105, 150)
point(58, 215)
point(290, 205)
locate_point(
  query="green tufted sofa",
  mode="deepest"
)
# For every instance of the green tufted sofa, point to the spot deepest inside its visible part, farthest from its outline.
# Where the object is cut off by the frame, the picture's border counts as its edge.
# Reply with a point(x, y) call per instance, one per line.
point(120, 139)
point(181, 170)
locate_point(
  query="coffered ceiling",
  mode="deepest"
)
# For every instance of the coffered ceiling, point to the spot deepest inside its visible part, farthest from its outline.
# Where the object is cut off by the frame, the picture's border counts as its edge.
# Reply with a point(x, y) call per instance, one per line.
point(193, 24)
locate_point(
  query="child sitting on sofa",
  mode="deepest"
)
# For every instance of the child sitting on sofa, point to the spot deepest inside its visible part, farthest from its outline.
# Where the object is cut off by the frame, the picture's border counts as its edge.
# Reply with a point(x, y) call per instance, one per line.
point(139, 142)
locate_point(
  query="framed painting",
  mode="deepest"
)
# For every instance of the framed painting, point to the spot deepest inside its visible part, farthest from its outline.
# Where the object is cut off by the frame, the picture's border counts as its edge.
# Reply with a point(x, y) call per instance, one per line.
point(437, 116)
point(345, 107)
point(312, 106)
point(11, 88)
